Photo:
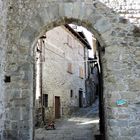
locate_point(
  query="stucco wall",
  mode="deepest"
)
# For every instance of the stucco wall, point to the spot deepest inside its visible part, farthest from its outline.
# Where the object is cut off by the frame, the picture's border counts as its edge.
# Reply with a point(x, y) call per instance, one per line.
point(56, 79)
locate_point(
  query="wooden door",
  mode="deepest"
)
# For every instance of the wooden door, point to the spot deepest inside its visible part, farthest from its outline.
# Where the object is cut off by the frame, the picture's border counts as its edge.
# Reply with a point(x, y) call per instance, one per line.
point(57, 107)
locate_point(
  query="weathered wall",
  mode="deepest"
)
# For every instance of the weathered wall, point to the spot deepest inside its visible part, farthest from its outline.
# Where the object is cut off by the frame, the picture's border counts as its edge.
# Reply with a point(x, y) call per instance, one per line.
point(130, 9)
point(57, 81)
point(3, 46)
point(123, 121)
point(27, 20)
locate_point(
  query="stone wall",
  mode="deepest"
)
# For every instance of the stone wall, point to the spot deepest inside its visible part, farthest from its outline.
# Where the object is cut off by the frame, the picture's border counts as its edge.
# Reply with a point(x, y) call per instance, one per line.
point(23, 22)
point(130, 9)
point(3, 46)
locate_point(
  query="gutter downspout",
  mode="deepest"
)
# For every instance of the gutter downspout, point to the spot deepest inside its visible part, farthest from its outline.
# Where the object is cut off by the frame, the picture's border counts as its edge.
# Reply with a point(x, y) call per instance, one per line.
point(41, 93)
point(85, 67)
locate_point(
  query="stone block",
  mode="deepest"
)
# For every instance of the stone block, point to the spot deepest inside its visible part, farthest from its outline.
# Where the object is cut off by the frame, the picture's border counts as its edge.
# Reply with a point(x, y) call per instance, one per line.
point(43, 13)
point(113, 131)
point(26, 113)
point(125, 138)
point(68, 8)
point(37, 22)
point(23, 50)
point(137, 131)
point(24, 136)
point(89, 10)
point(134, 123)
point(7, 124)
point(124, 116)
point(27, 36)
point(14, 113)
point(76, 10)
point(20, 102)
point(128, 132)
point(136, 31)
point(24, 125)
point(134, 85)
point(136, 138)
point(14, 125)
point(130, 96)
point(61, 9)
point(53, 12)
point(102, 25)
point(10, 135)
point(118, 123)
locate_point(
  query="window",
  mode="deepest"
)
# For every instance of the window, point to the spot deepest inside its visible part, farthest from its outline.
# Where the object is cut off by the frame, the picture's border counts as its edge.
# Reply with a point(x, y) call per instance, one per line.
point(7, 79)
point(69, 70)
point(81, 72)
point(71, 93)
point(45, 100)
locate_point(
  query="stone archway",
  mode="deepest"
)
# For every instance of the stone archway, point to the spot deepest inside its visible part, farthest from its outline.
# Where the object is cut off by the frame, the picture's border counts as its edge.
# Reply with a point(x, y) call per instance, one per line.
point(27, 21)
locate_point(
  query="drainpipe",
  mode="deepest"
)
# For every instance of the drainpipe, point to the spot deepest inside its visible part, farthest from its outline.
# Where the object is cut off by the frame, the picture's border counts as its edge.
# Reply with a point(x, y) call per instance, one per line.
point(86, 70)
point(41, 94)
point(85, 62)
point(41, 75)
point(85, 67)
point(34, 91)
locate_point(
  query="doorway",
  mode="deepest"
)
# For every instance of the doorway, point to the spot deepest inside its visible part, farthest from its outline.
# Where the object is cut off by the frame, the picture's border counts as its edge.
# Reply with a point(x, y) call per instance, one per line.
point(57, 107)
point(80, 98)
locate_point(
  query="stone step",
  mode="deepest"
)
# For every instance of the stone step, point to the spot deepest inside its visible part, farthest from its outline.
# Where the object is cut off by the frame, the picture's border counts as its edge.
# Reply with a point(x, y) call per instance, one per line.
point(61, 137)
point(66, 131)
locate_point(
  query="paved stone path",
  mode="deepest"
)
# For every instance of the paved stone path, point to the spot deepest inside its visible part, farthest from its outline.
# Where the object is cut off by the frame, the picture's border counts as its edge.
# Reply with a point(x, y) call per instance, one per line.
point(82, 125)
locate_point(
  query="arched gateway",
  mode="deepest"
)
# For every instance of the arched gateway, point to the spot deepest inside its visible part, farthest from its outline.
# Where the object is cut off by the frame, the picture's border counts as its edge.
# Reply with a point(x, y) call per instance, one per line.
point(23, 22)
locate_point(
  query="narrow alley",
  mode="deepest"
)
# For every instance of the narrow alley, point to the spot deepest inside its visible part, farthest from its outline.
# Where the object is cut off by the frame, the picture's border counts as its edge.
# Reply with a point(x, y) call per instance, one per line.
point(82, 125)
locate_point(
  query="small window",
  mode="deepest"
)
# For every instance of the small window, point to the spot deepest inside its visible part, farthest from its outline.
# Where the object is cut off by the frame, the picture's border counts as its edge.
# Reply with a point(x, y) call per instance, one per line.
point(45, 100)
point(7, 79)
point(69, 70)
point(71, 93)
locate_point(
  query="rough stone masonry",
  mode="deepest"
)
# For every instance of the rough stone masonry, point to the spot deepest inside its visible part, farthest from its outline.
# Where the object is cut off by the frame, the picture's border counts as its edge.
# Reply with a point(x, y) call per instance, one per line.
point(115, 24)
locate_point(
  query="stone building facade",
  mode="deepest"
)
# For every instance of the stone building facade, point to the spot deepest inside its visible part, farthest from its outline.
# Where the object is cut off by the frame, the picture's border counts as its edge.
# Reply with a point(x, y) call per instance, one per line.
point(21, 25)
point(63, 72)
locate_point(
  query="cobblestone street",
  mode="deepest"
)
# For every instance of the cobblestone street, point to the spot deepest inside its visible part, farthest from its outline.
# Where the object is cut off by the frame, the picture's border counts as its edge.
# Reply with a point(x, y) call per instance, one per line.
point(82, 125)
